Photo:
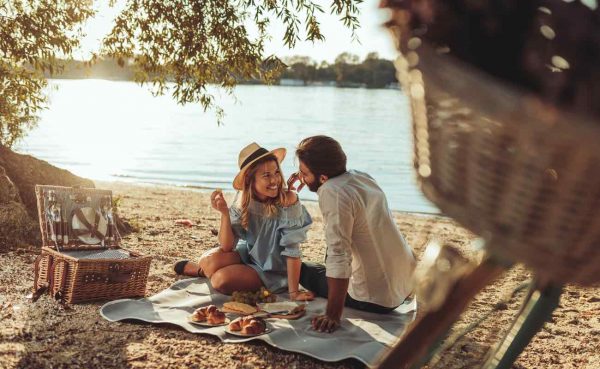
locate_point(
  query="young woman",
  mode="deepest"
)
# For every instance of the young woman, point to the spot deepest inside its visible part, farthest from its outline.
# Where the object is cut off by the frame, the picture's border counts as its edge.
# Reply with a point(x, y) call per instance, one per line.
point(260, 236)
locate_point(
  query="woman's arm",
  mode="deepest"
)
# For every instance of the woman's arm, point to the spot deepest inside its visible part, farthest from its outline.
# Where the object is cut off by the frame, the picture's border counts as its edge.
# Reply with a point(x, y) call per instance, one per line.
point(226, 236)
point(293, 272)
point(290, 199)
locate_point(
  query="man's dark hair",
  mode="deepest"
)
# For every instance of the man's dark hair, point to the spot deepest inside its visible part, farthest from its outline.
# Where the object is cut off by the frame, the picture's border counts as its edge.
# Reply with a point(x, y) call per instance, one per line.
point(322, 155)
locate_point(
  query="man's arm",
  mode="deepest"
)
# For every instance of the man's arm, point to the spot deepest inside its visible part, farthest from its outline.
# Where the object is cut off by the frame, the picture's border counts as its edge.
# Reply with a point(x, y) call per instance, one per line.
point(338, 287)
point(339, 222)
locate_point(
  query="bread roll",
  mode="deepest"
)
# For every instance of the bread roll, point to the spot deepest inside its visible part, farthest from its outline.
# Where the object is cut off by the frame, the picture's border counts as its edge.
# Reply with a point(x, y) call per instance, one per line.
point(235, 325)
point(211, 309)
point(216, 317)
point(254, 326)
point(199, 315)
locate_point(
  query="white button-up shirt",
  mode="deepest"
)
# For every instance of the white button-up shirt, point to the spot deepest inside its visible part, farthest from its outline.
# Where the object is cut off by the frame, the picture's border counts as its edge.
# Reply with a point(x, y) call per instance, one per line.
point(363, 242)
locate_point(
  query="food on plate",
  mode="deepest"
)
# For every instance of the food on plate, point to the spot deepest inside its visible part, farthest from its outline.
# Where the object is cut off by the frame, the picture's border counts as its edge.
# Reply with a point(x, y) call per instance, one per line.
point(253, 297)
point(240, 308)
point(216, 318)
point(209, 314)
point(284, 307)
point(248, 325)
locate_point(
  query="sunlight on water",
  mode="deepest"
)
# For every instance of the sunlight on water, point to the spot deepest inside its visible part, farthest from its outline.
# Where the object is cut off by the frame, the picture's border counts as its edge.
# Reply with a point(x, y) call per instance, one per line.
point(118, 131)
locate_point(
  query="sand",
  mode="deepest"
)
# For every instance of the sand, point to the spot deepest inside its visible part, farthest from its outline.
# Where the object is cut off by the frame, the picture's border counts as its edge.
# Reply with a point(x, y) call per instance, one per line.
point(46, 334)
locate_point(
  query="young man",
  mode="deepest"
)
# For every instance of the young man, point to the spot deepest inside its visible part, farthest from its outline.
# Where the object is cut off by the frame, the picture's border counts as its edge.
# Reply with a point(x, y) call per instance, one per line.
point(368, 264)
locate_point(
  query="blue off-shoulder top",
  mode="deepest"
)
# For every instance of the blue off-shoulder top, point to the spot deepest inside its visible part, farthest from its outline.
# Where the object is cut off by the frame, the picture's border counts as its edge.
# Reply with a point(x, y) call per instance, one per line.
point(267, 242)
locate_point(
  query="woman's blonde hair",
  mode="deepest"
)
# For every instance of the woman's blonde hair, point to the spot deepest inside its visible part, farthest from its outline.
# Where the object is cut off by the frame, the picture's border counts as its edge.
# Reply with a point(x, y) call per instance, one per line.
point(248, 191)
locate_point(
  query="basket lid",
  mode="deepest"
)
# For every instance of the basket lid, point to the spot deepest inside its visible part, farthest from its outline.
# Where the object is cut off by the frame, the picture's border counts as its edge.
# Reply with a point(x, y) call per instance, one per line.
point(74, 218)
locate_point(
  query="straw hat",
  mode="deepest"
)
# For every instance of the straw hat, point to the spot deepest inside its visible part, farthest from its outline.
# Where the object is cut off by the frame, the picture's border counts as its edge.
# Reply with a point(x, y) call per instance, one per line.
point(248, 156)
point(89, 225)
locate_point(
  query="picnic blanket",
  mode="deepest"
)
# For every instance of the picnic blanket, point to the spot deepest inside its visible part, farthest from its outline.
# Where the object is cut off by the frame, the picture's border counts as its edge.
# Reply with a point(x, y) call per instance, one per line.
point(362, 335)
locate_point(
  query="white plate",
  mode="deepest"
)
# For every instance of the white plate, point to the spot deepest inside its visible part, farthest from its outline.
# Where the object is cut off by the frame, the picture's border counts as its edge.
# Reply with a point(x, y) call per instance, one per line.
point(206, 324)
point(281, 307)
point(90, 215)
point(240, 334)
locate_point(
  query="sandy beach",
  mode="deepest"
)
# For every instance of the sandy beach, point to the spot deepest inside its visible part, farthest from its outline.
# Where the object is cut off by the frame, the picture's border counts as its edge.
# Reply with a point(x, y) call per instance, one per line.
point(45, 334)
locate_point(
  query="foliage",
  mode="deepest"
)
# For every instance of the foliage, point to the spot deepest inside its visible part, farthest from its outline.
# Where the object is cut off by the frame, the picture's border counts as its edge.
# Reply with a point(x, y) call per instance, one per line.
point(190, 43)
point(33, 33)
point(195, 43)
point(372, 72)
point(116, 204)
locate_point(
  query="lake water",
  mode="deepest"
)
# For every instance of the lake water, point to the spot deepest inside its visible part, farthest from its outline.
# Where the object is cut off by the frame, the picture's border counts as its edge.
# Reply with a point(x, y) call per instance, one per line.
point(108, 130)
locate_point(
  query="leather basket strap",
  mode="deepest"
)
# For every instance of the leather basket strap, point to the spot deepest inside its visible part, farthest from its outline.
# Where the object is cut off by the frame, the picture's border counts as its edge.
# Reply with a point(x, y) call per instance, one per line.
point(51, 266)
point(39, 287)
point(36, 272)
point(60, 293)
point(93, 230)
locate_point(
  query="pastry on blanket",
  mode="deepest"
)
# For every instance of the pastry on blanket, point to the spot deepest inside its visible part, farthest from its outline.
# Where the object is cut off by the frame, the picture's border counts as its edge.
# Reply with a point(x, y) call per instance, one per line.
point(199, 315)
point(211, 309)
point(248, 325)
point(254, 326)
point(235, 325)
point(202, 314)
point(239, 307)
point(215, 317)
point(238, 323)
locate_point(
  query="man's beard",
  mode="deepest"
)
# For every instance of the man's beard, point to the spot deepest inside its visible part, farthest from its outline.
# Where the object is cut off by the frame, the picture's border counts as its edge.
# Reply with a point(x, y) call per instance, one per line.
point(314, 186)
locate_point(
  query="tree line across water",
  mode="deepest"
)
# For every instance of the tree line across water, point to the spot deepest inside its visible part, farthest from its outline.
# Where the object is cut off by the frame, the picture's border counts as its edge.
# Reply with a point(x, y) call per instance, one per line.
point(346, 71)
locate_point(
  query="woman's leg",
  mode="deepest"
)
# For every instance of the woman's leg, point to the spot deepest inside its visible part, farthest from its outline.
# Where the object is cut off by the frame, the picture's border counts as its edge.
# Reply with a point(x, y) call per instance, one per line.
point(236, 277)
point(211, 261)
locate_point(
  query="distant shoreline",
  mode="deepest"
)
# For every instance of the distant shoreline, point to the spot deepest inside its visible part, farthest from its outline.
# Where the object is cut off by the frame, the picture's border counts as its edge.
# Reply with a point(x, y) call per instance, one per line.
point(296, 83)
point(204, 189)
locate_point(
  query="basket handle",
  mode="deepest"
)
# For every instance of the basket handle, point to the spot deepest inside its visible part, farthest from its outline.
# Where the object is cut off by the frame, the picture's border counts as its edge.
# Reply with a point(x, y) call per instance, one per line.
point(115, 274)
point(58, 292)
point(38, 289)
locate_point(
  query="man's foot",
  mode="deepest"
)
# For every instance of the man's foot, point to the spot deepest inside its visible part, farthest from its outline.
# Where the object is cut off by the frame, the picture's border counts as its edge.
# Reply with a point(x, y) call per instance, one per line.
point(186, 267)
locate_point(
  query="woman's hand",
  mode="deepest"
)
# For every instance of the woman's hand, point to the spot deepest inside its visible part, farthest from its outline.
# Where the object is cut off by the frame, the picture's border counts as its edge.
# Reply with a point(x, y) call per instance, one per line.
point(302, 296)
point(217, 201)
point(291, 182)
point(290, 198)
point(324, 323)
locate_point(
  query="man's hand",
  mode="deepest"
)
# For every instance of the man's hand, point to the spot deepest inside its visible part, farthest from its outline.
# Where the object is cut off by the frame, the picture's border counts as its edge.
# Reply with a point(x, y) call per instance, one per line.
point(291, 182)
point(217, 201)
point(323, 323)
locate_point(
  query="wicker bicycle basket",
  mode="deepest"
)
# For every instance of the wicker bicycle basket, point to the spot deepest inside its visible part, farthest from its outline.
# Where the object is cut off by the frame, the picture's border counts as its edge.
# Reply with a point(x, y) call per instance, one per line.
point(523, 175)
point(76, 271)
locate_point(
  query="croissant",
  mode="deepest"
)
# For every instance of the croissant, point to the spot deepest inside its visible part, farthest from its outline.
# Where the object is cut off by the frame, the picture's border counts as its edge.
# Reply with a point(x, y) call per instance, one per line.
point(235, 325)
point(254, 326)
point(248, 325)
point(199, 315)
point(216, 317)
point(211, 309)
point(203, 314)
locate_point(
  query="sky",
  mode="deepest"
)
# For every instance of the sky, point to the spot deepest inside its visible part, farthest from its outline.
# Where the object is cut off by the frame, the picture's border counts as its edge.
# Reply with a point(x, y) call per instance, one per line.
point(372, 36)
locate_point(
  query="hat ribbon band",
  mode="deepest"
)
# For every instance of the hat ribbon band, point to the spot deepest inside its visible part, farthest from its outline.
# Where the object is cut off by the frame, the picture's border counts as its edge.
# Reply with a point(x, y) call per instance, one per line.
point(259, 152)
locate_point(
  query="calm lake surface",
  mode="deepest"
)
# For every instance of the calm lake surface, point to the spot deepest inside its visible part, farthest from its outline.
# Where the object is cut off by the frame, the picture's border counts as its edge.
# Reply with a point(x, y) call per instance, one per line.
point(109, 130)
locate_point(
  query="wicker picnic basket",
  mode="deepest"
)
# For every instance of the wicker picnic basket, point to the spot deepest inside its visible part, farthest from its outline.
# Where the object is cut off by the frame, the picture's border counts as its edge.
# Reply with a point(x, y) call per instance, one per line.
point(82, 260)
point(523, 174)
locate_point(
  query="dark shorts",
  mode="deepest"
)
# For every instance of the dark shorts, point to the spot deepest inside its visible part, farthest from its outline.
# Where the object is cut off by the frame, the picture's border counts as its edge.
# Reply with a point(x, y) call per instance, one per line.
point(313, 278)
